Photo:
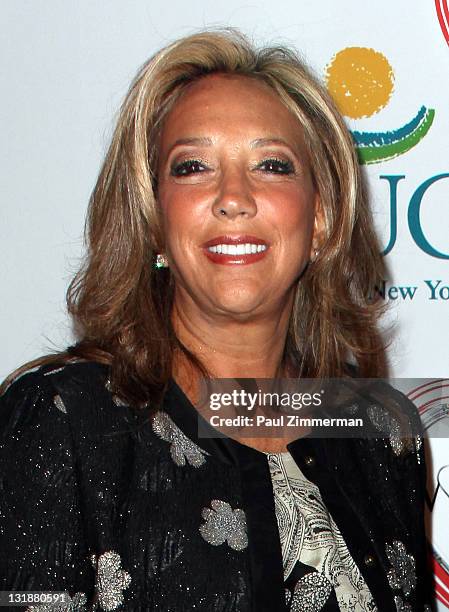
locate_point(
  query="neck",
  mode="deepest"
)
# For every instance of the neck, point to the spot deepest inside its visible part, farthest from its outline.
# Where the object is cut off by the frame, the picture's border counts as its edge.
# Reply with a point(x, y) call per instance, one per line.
point(228, 346)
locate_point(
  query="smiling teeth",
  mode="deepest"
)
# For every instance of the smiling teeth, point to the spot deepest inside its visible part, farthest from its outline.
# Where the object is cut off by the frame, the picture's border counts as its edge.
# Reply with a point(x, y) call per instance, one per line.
point(237, 249)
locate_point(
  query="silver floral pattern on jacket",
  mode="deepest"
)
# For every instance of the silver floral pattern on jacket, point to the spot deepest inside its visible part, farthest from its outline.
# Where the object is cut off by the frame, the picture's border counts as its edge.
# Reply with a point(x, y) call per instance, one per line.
point(182, 449)
point(223, 524)
point(111, 580)
point(402, 575)
point(57, 401)
point(385, 423)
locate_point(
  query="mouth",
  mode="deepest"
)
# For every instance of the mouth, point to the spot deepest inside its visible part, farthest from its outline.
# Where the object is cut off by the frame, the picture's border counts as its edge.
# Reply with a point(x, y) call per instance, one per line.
point(232, 250)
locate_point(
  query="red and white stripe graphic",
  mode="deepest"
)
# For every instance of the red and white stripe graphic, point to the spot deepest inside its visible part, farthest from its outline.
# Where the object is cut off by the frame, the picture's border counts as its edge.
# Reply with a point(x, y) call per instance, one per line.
point(443, 17)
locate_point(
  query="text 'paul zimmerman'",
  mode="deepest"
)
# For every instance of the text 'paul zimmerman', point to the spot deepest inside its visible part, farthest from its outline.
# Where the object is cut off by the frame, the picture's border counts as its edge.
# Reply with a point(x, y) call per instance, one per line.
point(295, 401)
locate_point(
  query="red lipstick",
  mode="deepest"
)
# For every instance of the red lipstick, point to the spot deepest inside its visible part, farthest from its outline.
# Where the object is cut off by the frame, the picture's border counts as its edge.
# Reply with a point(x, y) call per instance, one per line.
point(240, 258)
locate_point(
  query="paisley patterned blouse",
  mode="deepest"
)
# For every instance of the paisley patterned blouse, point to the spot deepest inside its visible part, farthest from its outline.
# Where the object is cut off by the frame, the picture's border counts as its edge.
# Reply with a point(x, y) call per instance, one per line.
point(319, 571)
point(124, 510)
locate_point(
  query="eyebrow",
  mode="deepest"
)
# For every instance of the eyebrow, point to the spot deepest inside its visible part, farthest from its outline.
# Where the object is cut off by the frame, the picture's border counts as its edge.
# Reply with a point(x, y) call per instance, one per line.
point(262, 142)
point(205, 142)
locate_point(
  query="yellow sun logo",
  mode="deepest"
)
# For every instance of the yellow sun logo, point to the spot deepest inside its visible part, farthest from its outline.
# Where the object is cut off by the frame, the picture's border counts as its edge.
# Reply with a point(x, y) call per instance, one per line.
point(360, 80)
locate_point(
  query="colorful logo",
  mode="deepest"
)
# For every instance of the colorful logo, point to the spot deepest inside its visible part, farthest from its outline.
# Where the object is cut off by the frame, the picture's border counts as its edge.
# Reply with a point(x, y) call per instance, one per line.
point(361, 81)
point(443, 17)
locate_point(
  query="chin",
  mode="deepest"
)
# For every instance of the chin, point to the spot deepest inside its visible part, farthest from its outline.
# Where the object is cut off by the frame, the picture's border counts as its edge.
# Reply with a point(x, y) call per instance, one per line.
point(238, 303)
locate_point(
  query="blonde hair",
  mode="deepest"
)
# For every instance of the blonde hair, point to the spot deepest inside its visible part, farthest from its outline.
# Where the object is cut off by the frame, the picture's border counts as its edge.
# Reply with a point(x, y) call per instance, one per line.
point(121, 305)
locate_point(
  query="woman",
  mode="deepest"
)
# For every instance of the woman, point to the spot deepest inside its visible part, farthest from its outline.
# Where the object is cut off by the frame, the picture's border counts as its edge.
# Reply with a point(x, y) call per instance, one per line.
point(228, 237)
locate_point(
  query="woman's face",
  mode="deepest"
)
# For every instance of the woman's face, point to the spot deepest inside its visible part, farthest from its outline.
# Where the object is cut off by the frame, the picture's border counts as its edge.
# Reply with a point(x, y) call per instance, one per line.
point(237, 197)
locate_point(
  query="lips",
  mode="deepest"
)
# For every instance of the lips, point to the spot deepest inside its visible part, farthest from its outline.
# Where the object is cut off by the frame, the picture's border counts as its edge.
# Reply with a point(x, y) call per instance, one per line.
point(236, 239)
point(235, 249)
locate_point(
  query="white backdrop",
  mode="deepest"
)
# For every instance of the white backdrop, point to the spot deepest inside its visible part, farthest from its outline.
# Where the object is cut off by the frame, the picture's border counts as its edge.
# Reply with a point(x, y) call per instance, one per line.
point(65, 68)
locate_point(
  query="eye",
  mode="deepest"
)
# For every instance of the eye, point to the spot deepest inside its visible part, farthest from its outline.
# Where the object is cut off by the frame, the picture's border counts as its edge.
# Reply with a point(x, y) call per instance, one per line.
point(189, 166)
point(276, 166)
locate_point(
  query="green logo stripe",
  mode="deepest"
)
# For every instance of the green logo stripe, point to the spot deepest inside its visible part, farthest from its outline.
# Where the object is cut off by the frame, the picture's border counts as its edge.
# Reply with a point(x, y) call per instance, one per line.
point(373, 155)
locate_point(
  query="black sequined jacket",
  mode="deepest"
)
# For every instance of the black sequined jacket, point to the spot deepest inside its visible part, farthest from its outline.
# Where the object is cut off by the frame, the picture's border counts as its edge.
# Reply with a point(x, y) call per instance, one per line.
point(128, 513)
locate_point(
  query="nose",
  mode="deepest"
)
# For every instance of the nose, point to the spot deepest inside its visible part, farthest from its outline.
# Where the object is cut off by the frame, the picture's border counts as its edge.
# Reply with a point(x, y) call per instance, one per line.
point(235, 197)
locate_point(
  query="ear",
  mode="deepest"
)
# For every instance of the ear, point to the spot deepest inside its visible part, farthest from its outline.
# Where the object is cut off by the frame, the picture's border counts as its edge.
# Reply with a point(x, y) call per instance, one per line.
point(319, 228)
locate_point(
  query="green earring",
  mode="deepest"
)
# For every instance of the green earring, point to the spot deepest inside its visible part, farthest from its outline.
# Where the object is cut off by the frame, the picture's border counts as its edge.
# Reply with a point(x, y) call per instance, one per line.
point(161, 261)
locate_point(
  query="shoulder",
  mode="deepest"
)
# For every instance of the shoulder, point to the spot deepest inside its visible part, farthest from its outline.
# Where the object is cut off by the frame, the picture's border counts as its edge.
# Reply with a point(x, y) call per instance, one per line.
point(393, 436)
point(382, 388)
point(54, 419)
point(387, 429)
point(80, 383)
point(382, 405)
point(390, 411)
point(39, 397)
point(80, 375)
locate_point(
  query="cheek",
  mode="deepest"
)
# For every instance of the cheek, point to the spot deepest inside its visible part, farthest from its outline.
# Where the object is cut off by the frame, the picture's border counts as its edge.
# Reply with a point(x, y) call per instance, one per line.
point(174, 206)
point(294, 214)
point(183, 216)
